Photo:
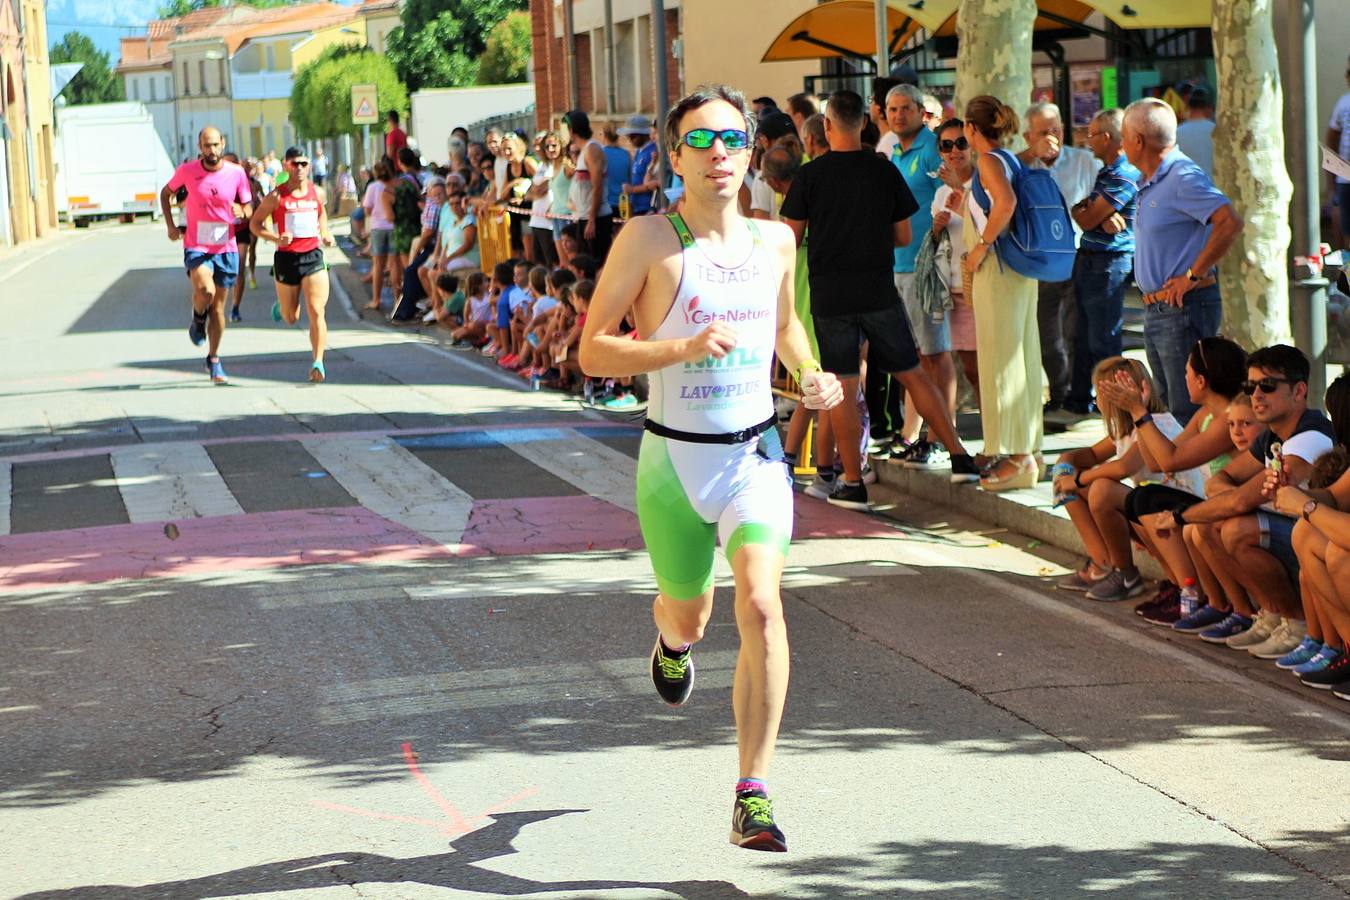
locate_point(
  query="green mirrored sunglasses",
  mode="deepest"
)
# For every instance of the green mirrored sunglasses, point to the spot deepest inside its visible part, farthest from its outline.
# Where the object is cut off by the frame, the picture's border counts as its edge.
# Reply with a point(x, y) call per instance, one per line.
point(702, 138)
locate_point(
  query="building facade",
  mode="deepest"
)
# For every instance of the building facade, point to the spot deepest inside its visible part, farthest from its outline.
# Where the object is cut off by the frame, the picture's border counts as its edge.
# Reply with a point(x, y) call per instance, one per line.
point(27, 171)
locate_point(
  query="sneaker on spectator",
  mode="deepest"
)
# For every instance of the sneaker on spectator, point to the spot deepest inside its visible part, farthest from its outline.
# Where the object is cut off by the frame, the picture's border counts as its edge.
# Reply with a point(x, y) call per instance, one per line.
point(869, 475)
point(1263, 626)
point(1166, 606)
point(820, 487)
point(900, 450)
point(1167, 593)
point(1233, 623)
point(964, 470)
point(1203, 618)
point(1306, 650)
point(1082, 580)
point(490, 349)
point(1342, 691)
point(925, 455)
point(849, 496)
point(1335, 675)
point(1116, 586)
point(622, 401)
point(1282, 640)
point(1323, 658)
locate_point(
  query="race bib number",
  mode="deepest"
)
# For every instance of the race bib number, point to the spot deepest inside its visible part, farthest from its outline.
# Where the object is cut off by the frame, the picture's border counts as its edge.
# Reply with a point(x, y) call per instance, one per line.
point(303, 224)
point(213, 233)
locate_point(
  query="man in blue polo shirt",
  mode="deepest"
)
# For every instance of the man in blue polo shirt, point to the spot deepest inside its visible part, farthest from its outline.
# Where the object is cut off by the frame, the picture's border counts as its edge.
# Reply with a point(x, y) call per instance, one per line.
point(1105, 256)
point(1183, 226)
point(916, 156)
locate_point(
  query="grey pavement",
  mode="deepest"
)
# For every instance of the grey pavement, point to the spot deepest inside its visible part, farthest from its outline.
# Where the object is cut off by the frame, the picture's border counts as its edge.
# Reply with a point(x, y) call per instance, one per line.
point(471, 726)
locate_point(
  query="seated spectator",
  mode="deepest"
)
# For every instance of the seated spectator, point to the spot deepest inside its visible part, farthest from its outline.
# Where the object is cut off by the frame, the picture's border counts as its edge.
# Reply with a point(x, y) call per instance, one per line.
point(447, 302)
point(1237, 531)
point(523, 318)
point(518, 298)
point(584, 266)
point(1215, 371)
point(503, 285)
point(565, 352)
point(542, 328)
point(1088, 482)
point(1322, 544)
point(457, 238)
point(474, 331)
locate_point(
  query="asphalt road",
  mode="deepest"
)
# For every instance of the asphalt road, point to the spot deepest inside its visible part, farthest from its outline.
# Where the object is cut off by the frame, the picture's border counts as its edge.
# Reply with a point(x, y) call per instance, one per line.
point(388, 636)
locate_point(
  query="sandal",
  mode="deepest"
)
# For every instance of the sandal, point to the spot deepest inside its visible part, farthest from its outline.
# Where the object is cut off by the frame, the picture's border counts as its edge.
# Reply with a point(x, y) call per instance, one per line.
point(1008, 474)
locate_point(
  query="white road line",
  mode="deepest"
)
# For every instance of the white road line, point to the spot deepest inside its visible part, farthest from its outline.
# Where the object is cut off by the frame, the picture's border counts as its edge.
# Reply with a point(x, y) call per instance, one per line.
point(585, 463)
point(6, 486)
point(171, 481)
point(391, 482)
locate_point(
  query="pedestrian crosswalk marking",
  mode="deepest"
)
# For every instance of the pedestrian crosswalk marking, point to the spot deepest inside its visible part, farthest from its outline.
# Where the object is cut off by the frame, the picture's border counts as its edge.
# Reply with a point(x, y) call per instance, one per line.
point(163, 482)
point(585, 463)
point(389, 481)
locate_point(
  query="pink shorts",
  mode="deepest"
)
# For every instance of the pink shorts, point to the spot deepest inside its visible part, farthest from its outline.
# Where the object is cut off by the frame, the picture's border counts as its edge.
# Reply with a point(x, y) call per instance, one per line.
point(962, 320)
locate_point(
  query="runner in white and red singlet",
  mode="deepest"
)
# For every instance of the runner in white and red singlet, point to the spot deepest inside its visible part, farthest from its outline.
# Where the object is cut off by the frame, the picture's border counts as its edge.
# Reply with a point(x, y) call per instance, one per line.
point(293, 218)
point(216, 191)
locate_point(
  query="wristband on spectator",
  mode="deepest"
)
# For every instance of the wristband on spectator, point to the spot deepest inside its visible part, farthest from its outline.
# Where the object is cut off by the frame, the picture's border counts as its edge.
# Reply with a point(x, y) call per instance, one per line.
point(1178, 518)
point(806, 365)
point(1078, 479)
point(1143, 420)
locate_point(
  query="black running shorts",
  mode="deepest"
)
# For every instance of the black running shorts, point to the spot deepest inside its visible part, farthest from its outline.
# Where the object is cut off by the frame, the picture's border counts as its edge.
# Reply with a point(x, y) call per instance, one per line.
point(292, 268)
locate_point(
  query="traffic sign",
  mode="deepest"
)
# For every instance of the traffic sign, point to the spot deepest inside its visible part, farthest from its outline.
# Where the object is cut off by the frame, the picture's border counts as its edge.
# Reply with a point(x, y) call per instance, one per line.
point(365, 105)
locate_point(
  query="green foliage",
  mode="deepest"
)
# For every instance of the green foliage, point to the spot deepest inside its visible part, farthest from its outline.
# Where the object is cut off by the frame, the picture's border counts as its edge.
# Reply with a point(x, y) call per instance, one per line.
point(96, 82)
point(321, 96)
point(440, 42)
point(174, 8)
point(506, 60)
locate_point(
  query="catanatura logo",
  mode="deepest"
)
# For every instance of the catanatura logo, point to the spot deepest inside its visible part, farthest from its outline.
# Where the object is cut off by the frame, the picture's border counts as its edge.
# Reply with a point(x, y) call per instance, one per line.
point(695, 315)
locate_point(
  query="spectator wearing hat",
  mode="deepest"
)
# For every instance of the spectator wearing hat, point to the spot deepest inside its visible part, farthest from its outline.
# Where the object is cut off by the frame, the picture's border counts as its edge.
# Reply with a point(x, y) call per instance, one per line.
point(594, 214)
point(1183, 226)
point(1195, 136)
point(764, 203)
point(638, 130)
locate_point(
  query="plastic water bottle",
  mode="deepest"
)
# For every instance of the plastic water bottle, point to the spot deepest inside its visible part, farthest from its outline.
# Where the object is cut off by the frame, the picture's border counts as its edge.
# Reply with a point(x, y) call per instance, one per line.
point(1190, 597)
point(1063, 469)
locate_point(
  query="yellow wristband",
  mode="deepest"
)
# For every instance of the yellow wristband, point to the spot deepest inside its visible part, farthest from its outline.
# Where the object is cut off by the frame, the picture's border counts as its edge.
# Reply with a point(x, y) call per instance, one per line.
point(804, 366)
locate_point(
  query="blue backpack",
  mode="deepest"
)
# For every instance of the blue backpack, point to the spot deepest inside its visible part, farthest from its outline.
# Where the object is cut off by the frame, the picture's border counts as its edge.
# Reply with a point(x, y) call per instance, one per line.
point(1039, 241)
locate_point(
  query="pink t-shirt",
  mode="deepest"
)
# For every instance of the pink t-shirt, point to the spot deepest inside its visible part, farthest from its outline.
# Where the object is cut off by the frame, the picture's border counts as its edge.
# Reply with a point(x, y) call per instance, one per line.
point(210, 211)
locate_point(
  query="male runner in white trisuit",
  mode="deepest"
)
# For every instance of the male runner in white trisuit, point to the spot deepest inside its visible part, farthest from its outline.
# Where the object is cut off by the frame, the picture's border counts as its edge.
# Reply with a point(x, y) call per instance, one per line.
point(210, 252)
point(298, 224)
point(712, 296)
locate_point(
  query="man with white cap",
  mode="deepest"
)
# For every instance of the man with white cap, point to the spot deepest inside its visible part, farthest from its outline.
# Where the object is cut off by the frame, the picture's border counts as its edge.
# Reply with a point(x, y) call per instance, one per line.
point(638, 130)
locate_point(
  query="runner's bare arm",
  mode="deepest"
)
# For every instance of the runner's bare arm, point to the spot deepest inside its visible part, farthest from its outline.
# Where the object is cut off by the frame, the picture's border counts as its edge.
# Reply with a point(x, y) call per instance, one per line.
point(640, 248)
point(324, 234)
point(820, 390)
point(262, 216)
point(166, 207)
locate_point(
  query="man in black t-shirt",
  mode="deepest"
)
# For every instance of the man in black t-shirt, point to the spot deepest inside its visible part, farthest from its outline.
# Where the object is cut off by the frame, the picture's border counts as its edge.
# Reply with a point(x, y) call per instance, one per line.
point(857, 206)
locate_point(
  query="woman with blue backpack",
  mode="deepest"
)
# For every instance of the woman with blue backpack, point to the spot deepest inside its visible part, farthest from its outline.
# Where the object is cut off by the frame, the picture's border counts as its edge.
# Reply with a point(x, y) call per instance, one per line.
point(1006, 332)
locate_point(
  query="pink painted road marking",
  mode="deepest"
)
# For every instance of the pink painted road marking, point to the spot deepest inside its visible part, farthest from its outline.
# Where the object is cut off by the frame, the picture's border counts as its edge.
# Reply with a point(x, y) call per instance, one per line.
point(548, 525)
point(222, 544)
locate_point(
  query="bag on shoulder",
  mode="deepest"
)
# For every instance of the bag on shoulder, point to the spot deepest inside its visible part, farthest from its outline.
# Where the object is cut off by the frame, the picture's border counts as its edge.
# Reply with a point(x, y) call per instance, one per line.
point(1039, 241)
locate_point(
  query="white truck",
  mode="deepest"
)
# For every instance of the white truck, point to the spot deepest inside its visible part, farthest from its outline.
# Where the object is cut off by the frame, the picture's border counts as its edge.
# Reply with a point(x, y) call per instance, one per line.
point(435, 111)
point(109, 162)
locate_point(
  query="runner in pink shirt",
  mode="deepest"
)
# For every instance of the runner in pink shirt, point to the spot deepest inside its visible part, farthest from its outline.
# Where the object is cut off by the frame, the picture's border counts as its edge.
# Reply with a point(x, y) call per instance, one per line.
point(217, 194)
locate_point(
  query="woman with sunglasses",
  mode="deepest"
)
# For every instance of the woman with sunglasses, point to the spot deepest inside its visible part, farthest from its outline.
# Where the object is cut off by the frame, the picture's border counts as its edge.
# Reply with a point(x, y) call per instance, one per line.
point(540, 196)
point(711, 293)
point(958, 167)
point(298, 226)
point(519, 171)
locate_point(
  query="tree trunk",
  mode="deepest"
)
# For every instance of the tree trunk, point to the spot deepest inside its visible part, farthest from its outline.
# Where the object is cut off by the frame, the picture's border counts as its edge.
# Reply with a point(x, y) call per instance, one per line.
point(994, 51)
point(1249, 167)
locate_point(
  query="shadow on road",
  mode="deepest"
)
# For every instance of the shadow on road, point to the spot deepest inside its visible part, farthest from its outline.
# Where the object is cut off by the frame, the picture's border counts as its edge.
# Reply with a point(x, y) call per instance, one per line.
point(456, 869)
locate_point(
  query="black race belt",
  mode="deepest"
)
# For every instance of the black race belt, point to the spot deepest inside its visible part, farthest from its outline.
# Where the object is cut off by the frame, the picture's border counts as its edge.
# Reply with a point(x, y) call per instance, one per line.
point(693, 437)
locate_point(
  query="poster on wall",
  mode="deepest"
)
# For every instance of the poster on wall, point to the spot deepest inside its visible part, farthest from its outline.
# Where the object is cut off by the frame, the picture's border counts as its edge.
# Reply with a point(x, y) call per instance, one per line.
point(1086, 92)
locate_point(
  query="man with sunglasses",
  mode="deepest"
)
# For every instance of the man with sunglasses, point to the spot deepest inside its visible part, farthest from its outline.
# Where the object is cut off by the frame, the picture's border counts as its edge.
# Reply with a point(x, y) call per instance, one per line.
point(293, 217)
point(1241, 531)
point(711, 293)
point(858, 207)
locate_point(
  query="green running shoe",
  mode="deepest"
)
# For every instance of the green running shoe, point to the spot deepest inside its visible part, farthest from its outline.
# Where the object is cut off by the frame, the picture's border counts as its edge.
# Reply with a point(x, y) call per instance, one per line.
point(752, 825)
point(672, 674)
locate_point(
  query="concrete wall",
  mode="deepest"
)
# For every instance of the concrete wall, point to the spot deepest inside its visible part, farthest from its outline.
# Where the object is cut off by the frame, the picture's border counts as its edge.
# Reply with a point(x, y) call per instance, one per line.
point(725, 41)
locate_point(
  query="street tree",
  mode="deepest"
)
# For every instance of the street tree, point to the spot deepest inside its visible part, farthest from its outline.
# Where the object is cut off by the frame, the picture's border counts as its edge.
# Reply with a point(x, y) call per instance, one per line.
point(96, 82)
point(438, 43)
point(507, 57)
point(993, 54)
point(321, 97)
point(175, 8)
point(1249, 167)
